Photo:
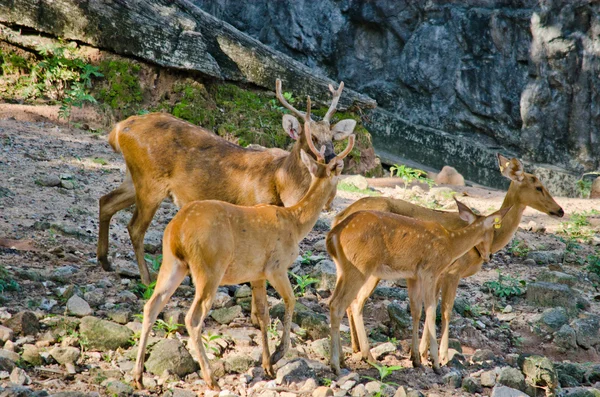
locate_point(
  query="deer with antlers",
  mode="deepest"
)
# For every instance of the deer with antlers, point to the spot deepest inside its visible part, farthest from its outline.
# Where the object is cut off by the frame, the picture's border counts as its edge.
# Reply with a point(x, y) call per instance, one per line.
point(525, 190)
point(368, 246)
point(168, 157)
point(220, 243)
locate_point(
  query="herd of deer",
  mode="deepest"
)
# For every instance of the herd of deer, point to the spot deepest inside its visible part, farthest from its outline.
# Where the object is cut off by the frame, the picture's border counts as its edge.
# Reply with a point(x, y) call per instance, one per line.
point(244, 212)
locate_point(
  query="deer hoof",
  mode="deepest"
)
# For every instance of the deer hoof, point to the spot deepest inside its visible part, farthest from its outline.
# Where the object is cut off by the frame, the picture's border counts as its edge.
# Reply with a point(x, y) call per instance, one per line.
point(106, 266)
point(437, 370)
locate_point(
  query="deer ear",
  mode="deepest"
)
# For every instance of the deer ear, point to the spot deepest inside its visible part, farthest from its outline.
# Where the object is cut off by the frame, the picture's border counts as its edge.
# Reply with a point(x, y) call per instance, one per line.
point(465, 212)
point(511, 169)
point(309, 162)
point(342, 129)
point(291, 126)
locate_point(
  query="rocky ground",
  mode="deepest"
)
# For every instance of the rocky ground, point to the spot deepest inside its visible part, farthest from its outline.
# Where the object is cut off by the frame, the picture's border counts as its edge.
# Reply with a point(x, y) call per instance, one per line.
point(67, 326)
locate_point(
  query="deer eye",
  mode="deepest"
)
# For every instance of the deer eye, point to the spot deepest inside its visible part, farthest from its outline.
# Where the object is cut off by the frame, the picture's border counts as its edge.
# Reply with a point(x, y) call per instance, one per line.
point(539, 189)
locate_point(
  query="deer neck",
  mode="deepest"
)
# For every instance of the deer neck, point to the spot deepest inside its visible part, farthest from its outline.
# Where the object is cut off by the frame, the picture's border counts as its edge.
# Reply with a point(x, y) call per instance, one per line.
point(295, 178)
point(463, 240)
point(510, 222)
point(306, 212)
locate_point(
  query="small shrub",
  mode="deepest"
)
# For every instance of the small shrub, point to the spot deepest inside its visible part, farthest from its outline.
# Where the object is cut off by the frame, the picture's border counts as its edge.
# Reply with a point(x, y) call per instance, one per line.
point(302, 282)
point(170, 327)
point(506, 286)
point(7, 283)
point(518, 248)
point(578, 226)
point(154, 261)
point(593, 265)
point(410, 175)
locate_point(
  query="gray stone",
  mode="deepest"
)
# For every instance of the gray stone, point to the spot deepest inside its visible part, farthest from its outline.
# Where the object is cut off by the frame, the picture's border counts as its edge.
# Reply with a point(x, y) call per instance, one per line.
point(238, 363)
point(120, 316)
point(551, 320)
point(95, 298)
point(358, 181)
point(592, 374)
point(383, 350)
point(12, 356)
point(471, 385)
point(391, 293)
point(23, 323)
point(553, 295)
point(6, 333)
point(243, 291)
point(488, 378)
point(558, 277)
point(65, 355)
point(104, 335)
point(117, 388)
point(6, 364)
point(314, 323)
point(31, 354)
point(69, 185)
point(48, 181)
point(127, 297)
point(512, 378)
point(587, 330)
point(580, 392)
point(453, 379)
point(504, 391)
point(358, 391)
point(325, 272)
point(19, 377)
point(78, 306)
point(574, 371)
point(566, 338)
point(222, 299)
point(226, 314)
point(294, 371)
point(539, 372)
point(482, 355)
point(545, 257)
point(400, 319)
point(322, 391)
point(170, 354)
point(321, 347)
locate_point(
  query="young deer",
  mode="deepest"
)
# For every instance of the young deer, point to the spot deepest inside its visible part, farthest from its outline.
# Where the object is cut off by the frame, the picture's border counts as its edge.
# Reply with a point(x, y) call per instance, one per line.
point(369, 246)
point(525, 191)
point(166, 156)
point(220, 243)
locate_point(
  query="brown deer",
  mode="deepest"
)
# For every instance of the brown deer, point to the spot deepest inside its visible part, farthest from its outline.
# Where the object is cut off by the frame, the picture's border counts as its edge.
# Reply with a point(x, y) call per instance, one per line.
point(525, 191)
point(169, 157)
point(220, 243)
point(368, 246)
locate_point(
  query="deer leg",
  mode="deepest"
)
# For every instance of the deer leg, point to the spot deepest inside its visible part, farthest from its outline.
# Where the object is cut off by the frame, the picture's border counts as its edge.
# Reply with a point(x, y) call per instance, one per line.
point(110, 204)
point(429, 295)
point(449, 287)
point(416, 305)
point(357, 307)
point(254, 312)
point(172, 273)
point(424, 346)
point(206, 288)
point(259, 295)
point(142, 216)
point(353, 336)
point(281, 283)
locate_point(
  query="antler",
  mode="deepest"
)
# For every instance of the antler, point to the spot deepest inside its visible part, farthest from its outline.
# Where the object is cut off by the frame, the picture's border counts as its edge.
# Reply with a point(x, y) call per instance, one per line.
point(304, 116)
point(334, 101)
point(320, 155)
point(348, 148)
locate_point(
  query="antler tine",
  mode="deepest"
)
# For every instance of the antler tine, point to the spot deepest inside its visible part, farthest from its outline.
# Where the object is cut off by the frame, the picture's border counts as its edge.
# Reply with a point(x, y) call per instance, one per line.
point(285, 103)
point(336, 97)
point(319, 155)
point(348, 149)
point(308, 105)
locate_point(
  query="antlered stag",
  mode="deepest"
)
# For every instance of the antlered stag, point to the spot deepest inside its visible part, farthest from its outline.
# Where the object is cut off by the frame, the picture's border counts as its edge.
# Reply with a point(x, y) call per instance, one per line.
point(169, 157)
point(525, 190)
point(220, 243)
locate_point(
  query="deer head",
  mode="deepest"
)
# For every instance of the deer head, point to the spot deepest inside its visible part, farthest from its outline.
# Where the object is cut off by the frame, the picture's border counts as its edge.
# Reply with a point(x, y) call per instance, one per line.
point(529, 190)
point(321, 132)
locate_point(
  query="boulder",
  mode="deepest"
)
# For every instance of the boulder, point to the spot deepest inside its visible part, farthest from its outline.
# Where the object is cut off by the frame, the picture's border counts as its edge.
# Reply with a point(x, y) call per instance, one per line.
point(558, 278)
point(554, 295)
point(314, 323)
point(238, 363)
point(566, 338)
point(587, 330)
point(226, 315)
point(580, 392)
point(504, 391)
point(294, 371)
point(78, 307)
point(551, 320)
point(31, 354)
point(471, 385)
point(170, 354)
point(325, 271)
point(400, 319)
point(540, 373)
point(23, 323)
point(65, 355)
point(512, 378)
point(104, 335)
point(546, 257)
point(118, 389)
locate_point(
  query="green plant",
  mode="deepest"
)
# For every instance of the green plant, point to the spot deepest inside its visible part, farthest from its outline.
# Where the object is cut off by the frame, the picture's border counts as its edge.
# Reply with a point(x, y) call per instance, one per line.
point(121, 87)
point(409, 175)
point(272, 329)
point(518, 248)
point(506, 286)
point(302, 282)
point(346, 187)
point(275, 105)
point(170, 327)
point(106, 357)
point(208, 338)
point(154, 261)
point(144, 291)
point(100, 160)
point(7, 283)
point(578, 226)
point(594, 263)
point(384, 372)
point(326, 381)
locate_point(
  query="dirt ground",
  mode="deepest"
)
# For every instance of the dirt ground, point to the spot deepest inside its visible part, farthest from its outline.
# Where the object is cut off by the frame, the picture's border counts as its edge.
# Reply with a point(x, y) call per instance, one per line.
point(43, 229)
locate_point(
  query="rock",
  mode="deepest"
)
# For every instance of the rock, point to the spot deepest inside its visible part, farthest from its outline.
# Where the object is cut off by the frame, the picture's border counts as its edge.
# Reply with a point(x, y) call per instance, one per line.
point(48, 181)
point(315, 324)
point(78, 307)
point(512, 378)
point(19, 377)
point(551, 320)
point(545, 257)
point(553, 295)
point(238, 363)
point(322, 391)
point(226, 314)
point(119, 316)
point(127, 297)
point(95, 298)
point(558, 278)
point(62, 273)
point(12, 356)
point(574, 371)
point(453, 379)
point(31, 354)
point(566, 338)
point(104, 335)
point(383, 349)
point(177, 392)
point(294, 371)
point(119, 389)
point(358, 181)
point(69, 185)
point(449, 176)
point(222, 299)
point(23, 323)
point(325, 272)
point(471, 385)
point(47, 304)
point(243, 292)
point(320, 246)
point(595, 191)
point(359, 391)
point(482, 355)
point(539, 372)
point(580, 392)
point(504, 391)
point(170, 354)
point(321, 347)
point(400, 319)
point(65, 355)
point(592, 374)
point(6, 333)
point(587, 330)
point(488, 378)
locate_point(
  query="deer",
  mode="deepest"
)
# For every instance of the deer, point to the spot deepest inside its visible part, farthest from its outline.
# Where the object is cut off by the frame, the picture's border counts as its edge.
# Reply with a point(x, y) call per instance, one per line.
point(169, 157)
point(368, 246)
point(525, 190)
point(220, 243)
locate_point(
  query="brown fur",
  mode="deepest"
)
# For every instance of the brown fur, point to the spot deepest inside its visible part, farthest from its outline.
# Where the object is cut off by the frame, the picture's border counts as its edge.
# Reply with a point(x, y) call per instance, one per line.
point(166, 156)
point(525, 190)
point(220, 243)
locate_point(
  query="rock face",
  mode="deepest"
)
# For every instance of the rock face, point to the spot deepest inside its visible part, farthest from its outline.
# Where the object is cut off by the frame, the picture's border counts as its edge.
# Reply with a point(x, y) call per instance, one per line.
point(451, 78)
